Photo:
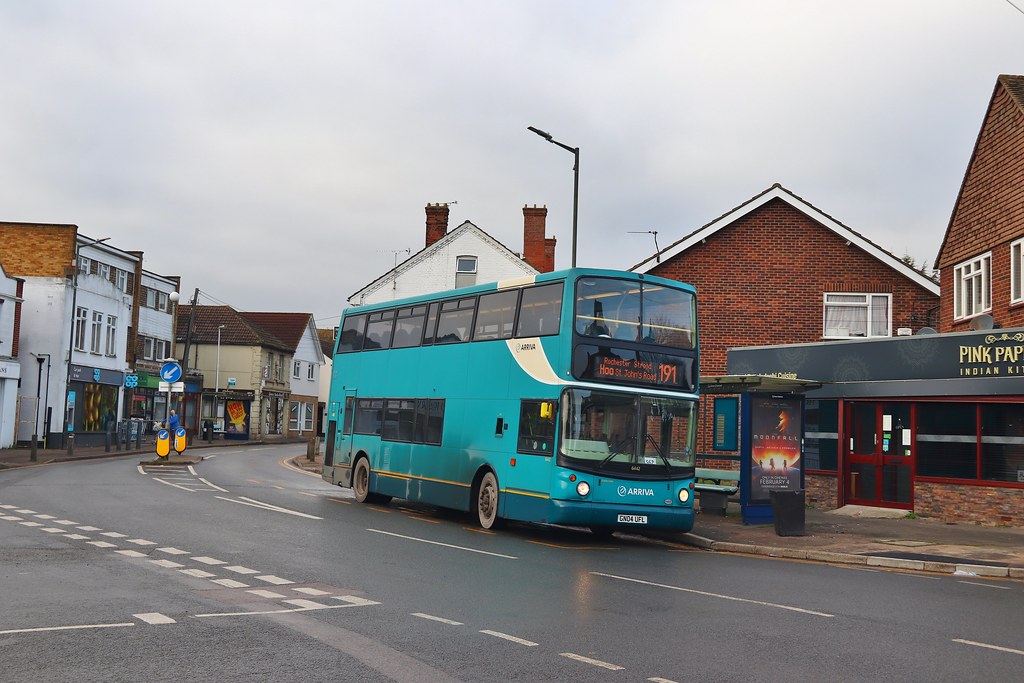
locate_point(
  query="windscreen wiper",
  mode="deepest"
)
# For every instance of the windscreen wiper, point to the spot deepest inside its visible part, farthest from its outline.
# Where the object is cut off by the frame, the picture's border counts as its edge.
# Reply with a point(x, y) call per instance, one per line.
point(657, 449)
point(614, 450)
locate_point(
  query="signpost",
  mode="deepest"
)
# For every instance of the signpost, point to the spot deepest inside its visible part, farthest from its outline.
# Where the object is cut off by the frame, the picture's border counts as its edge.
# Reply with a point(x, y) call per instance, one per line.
point(170, 376)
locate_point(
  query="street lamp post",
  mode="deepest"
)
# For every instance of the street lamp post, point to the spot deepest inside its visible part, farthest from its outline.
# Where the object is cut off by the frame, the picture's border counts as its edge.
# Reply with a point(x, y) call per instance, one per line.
point(35, 425)
point(575, 181)
point(69, 427)
point(216, 388)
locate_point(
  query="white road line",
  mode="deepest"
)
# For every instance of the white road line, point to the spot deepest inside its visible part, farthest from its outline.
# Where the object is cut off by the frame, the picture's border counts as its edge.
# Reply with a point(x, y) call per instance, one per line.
point(26, 511)
point(198, 573)
point(11, 518)
point(265, 593)
point(167, 564)
point(53, 530)
point(970, 583)
point(269, 611)
point(45, 517)
point(155, 618)
point(29, 523)
point(130, 553)
point(114, 534)
point(141, 471)
point(241, 570)
point(76, 537)
point(276, 580)
point(89, 528)
point(209, 560)
point(505, 636)
point(595, 662)
point(230, 583)
point(354, 601)
point(101, 544)
point(183, 488)
point(976, 644)
point(192, 471)
point(446, 545)
point(661, 680)
point(431, 617)
point(213, 485)
point(140, 541)
point(311, 495)
point(63, 628)
point(299, 602)
point(715, 595)
point(7, 507)
point(65, 522)
point(278, 508)
point(173, 551)
point(265, 506)
point(311, 591)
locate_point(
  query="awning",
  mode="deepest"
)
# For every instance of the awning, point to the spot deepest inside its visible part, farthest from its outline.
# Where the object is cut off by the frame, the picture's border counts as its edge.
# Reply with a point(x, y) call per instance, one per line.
point(740, 384)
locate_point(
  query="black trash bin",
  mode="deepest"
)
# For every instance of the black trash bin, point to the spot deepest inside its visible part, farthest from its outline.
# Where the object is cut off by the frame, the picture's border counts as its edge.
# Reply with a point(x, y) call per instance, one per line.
point(788, 511)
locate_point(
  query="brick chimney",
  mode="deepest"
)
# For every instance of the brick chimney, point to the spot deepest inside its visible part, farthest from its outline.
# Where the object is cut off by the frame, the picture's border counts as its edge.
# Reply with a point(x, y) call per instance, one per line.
point(538, 250)
point(437, 222)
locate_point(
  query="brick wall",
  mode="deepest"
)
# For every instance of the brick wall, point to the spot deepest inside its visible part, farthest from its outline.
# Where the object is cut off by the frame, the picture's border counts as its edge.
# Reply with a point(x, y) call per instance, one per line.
point(989, 211)
point(38, 249)
point(822, 491)
point(987, 505)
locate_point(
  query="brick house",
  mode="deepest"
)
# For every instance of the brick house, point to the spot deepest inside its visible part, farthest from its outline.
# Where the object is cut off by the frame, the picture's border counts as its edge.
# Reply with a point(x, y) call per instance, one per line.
point(981, 259)
point(777, 270)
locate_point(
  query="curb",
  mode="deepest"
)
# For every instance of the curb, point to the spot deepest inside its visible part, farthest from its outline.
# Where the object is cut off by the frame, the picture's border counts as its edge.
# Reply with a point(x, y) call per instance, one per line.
point(961, 569)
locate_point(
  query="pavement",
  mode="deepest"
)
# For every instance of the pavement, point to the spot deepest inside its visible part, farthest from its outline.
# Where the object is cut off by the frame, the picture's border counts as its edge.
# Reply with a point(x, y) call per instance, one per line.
point(876, 538)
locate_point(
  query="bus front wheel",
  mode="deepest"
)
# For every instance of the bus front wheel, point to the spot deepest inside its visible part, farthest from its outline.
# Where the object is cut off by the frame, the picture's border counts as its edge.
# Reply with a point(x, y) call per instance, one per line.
point(487, 501)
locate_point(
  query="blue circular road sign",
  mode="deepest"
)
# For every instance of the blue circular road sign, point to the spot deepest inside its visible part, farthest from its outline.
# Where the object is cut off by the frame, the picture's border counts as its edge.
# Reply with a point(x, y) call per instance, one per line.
point(170, 372)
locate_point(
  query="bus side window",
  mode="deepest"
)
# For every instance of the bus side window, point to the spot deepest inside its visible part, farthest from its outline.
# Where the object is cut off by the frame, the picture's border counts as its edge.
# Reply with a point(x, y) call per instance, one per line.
point(428, 331)
point(369, 416)
point(536, 427)
point(347, 418)
point(351, 338)
point(540, 311)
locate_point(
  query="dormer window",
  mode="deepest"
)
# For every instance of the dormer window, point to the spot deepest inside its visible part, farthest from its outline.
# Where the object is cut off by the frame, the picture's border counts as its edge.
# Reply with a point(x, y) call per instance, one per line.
point(465, 271)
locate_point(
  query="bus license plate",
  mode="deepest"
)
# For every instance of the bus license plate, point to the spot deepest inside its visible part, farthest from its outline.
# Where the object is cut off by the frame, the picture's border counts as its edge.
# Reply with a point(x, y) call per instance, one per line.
point(632, 519)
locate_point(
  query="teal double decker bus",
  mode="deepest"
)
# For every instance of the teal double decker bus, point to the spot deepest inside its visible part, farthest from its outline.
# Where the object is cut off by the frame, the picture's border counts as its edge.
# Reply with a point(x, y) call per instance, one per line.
point(568, 398)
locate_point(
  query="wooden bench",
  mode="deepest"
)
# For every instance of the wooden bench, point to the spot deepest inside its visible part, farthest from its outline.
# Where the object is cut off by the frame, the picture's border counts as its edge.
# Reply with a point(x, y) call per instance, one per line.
point(715, 487)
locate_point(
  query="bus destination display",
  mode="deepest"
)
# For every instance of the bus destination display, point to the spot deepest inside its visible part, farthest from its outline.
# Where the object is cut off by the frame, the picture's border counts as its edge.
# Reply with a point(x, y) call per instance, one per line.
point(636, 368)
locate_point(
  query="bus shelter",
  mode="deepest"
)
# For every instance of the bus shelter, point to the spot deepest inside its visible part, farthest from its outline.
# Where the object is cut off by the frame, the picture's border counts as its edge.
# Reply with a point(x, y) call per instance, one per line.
point(767, 419)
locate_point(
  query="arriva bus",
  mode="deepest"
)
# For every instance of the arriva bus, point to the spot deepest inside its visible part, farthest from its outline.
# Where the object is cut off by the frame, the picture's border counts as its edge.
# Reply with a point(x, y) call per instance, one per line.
point(567, 397)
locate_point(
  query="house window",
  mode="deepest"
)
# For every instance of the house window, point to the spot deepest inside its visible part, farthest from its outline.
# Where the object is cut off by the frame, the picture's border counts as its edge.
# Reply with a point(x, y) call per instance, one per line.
point(161, 301)
point(465, 271)
point(857, 315)
point(972, 287)
point(122, 280)
point(311, 372)
point(297, 369)
point(147, 348)
point(1017, 272)
point(84, 263)
point(103, 270)
point(97, 332)
point(81, 315)
point(111, 335)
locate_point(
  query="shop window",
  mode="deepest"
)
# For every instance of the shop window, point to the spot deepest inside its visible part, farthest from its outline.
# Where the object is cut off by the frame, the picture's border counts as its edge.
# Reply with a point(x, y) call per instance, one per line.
point(947, 440)
point(972, 283)
point(1017, 272)
point(1002, 442)
point(821, 435)
point(857, 315)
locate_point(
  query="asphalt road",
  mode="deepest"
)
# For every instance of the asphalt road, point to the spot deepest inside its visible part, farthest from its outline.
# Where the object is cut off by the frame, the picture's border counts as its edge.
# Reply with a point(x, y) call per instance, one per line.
point(242, 569)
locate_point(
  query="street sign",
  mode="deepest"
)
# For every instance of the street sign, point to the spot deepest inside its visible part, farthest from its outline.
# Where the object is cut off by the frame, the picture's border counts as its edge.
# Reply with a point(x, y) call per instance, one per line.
point(170, 372)
point(175, 388)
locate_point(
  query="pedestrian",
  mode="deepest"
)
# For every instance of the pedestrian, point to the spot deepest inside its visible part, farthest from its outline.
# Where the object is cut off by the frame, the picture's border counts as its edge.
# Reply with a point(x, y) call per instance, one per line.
point(173, 422)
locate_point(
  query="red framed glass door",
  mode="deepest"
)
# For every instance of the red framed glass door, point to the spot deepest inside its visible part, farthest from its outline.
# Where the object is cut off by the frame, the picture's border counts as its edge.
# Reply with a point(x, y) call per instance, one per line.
point(880, 454)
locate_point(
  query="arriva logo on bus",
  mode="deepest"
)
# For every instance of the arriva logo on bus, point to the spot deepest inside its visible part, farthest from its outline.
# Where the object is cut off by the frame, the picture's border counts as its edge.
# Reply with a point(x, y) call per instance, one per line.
point(623, 491)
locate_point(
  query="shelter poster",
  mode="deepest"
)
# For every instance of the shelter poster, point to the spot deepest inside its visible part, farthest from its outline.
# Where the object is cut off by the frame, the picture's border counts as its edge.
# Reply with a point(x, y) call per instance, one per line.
point(776, 434)
point(237, 424)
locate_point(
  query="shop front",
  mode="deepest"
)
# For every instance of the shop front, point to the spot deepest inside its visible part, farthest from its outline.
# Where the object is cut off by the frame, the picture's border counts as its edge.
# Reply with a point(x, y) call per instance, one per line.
point(932, 424)
point(93, 399)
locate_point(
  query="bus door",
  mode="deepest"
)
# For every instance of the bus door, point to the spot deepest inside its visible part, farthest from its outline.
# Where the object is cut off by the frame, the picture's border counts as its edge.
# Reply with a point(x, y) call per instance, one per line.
point(880, 455)
point(348, 415)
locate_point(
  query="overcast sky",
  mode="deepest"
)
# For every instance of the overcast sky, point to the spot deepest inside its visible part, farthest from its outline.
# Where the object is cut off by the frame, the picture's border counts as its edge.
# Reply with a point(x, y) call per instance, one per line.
point(278, 155)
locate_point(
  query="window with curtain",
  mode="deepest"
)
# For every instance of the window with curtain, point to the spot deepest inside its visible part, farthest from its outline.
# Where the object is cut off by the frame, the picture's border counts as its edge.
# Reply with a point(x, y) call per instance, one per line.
point(857, 315)
point(972, 287)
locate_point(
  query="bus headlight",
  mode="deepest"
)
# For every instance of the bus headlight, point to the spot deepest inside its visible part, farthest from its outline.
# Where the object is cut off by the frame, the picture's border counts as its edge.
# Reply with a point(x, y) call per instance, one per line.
point(684, 495)
point(583, 489)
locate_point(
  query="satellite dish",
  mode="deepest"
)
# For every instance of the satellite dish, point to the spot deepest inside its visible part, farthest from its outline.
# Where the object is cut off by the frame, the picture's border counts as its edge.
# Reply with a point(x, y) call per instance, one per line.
point(982, 322)
point(927, 330)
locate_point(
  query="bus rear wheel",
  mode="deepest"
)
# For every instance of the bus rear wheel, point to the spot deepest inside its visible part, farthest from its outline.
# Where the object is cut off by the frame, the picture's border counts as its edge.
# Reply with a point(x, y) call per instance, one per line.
point(487, 501)
point(361, 480)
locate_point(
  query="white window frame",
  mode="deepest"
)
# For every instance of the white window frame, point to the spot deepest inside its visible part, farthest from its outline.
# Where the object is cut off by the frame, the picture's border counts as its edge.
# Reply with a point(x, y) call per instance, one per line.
point(81, 318)
point(83, 264)
point(296, 369)
point(112, 335)
point(310, 372)
point(1017, 271)
point(161, 301)
point(103, 270)
point(869, 302)
point(972, 287)
point(148, 348)
point(96, 338)
point(466, 276)
point(122, 280)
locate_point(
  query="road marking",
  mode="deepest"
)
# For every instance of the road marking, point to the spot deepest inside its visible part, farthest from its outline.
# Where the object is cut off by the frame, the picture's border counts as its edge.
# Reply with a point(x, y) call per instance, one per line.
point(265, 593)
point(977, 644)
point(45, 517)
point(183, 488)
point(114, 534)
point(266, 506)
point(155, 618)
point(431, 617)
point(970, 583)
point(26, 511)
point(338, 500)
point(89, 528)
point(446, 545)
point(53, 530)
point(311, 591)
point(29, 523)
point(269, 611)
point(76, 537)
point(11, 518)
point(354, 601)
point(65, 522)
point(276, 580)
point(131, 553)
point(307, 493)
point(208, 560)
point(101, 544)
point(559, 546)
point(242, 570)
point(213, 485)
point(715, 595)
point(198, 573)
point(140, 541)
point(141, 471)
point(595, 662)
point(505, 636)
point(422, 519)
point(167, 564)
point(192, 470)
point(299, 602)
point(63, 628)
point(8, 507)
point(173, 551)
point(661, 680)
point(230, 583)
